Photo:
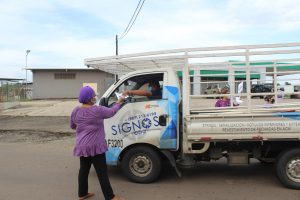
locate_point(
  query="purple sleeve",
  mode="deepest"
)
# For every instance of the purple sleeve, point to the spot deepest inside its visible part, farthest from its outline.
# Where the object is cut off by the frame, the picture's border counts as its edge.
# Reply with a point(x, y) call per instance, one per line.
point(109, 112)
point(72, 123)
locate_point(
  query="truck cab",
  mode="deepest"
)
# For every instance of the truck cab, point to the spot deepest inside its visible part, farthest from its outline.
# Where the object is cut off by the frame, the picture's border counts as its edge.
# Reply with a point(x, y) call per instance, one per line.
point(142, 122)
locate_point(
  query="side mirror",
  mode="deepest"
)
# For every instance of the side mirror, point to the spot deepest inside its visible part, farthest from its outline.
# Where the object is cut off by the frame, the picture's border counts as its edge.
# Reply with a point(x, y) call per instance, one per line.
point(103, 102)
point(162, 120)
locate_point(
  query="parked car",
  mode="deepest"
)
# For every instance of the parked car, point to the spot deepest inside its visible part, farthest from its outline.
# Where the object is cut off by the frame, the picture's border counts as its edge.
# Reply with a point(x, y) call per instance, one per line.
point(296, 89)
point(214, 88)
point(261, 88)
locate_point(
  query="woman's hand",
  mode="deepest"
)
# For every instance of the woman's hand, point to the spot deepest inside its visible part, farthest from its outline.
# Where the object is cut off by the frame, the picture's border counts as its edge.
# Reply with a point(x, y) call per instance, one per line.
point(126, 93)
point(121, 100)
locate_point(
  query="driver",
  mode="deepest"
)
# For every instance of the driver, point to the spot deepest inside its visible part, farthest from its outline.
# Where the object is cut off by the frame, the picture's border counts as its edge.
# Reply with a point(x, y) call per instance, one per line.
point(154, 91)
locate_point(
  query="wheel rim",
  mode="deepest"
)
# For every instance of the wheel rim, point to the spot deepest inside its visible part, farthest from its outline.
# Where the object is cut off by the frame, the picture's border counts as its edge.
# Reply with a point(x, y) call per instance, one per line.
point(140, 165)
point(293, 170)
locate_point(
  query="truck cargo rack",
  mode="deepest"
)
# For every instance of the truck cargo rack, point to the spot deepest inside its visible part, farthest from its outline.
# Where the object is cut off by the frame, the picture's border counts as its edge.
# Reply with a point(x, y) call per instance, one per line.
point(232, 62)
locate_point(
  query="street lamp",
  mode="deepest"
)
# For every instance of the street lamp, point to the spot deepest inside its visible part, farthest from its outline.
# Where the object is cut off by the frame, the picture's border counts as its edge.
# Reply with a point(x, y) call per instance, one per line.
point(27, 52)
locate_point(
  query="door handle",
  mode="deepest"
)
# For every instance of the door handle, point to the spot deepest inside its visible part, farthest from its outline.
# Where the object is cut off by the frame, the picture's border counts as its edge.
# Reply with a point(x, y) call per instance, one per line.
point(162, 119)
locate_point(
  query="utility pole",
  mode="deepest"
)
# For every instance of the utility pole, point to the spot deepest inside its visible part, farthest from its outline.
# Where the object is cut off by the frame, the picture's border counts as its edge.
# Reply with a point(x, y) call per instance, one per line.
point(117, 53)
point(27, 52)
point(117, 45)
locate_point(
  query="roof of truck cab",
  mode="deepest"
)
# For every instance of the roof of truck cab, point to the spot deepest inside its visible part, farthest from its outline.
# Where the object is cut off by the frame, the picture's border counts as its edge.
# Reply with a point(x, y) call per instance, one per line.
point(122, 65)
point(166, 69)
point(199, 58)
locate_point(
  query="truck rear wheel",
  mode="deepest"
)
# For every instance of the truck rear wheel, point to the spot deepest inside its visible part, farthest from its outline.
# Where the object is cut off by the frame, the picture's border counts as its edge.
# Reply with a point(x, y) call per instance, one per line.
point(141, 164)
point(288, 168)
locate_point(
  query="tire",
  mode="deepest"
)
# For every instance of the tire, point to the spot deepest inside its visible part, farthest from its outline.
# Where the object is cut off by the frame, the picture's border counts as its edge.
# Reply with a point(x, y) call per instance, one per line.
point(141, 164)
point(214, 92)
point(288, 168)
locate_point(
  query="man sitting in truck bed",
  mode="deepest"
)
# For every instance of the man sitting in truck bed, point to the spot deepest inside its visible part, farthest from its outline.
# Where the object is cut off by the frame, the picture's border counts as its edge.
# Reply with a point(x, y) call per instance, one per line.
point(154, 91)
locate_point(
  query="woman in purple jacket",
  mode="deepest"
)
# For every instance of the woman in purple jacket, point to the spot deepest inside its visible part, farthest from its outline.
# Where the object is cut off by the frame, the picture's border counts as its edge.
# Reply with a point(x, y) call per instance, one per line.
point(224, 101)
point(90, 144)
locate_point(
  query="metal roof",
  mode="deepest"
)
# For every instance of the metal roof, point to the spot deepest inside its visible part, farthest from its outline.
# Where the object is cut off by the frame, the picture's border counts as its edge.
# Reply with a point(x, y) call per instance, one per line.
point(11, 79)
point(59, 69)
point(124, 65)
point(195, 57)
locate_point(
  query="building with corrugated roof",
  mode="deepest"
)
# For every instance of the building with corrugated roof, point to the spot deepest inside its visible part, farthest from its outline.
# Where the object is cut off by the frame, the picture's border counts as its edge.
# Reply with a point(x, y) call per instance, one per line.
point(65, 83)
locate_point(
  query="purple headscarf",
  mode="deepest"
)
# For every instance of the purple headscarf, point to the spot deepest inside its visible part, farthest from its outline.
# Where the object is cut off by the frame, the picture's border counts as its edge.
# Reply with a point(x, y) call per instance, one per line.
point(86, 94)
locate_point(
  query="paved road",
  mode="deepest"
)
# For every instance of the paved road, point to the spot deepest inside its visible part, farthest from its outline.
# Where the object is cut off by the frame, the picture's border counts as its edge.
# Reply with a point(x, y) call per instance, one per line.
point(48, 171)
point(36, 163)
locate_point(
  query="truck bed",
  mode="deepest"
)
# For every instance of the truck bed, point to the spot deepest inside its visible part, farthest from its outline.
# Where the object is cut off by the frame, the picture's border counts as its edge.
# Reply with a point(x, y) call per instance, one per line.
point(268, 125)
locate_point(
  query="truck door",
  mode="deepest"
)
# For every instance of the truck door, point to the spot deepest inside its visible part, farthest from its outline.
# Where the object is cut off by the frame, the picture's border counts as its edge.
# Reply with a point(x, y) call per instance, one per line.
point(141, 119)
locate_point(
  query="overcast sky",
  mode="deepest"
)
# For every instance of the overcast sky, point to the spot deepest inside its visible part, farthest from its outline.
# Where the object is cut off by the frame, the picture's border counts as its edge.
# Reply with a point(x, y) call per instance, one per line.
point(61, 33)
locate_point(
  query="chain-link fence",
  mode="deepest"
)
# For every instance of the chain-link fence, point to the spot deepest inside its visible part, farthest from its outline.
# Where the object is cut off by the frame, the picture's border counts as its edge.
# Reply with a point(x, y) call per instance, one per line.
point(14, 90)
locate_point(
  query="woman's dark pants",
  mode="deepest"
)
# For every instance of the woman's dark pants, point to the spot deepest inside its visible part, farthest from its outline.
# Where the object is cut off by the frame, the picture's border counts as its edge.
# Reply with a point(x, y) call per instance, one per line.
point(99, 162)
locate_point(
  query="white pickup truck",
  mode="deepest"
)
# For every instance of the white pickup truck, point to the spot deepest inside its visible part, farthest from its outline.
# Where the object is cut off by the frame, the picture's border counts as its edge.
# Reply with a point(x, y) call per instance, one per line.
point(185, 128)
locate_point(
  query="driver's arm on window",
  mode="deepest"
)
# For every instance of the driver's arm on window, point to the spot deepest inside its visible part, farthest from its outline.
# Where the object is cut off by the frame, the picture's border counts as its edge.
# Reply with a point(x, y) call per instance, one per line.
point(137, 92)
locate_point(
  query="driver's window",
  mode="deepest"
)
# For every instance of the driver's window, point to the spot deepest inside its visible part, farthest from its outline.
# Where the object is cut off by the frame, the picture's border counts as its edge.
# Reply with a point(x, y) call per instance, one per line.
point(126, 85)
point(140, 82)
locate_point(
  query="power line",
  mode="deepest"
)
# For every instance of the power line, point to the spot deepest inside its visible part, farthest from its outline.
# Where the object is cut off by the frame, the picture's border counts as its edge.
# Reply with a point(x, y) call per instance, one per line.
point(133, 18)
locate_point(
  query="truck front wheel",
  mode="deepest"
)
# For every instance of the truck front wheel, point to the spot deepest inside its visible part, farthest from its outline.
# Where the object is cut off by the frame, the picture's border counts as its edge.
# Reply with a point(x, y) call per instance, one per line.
point(141, 164)
point(288, 168)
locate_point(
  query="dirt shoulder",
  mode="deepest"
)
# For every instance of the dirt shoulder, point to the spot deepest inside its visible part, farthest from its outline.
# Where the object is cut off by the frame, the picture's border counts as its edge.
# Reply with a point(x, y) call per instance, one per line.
point(34, 129)
point(37, 121)
point(42, 108)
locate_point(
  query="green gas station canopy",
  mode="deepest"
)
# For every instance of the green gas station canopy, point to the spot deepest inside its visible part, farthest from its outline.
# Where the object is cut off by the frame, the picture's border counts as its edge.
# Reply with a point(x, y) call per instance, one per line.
point(241, 74)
